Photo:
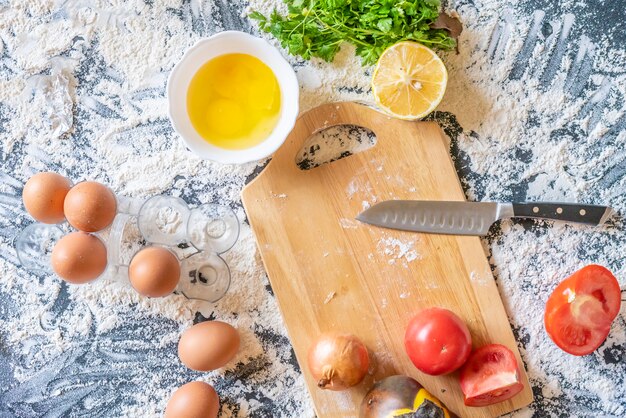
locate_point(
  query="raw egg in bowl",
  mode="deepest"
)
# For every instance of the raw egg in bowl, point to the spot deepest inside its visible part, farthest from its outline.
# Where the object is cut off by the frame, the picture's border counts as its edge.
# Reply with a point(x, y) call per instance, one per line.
point(233, 98)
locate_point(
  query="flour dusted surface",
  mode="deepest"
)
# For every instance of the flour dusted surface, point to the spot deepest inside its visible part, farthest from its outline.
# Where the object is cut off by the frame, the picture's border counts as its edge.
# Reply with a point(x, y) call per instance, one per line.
point(522, 124)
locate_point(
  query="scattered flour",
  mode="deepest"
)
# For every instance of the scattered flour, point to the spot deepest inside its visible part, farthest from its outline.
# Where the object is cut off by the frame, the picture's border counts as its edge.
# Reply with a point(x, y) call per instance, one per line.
point(479, 279)
point(348, 223)
point(278, 195)
point(168, 220)
point(526, 275)
point(513, 130)
point(397, 249)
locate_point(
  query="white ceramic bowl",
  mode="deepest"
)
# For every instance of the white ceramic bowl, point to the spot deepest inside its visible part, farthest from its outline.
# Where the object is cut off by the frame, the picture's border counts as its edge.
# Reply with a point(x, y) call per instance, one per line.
point(231, 42)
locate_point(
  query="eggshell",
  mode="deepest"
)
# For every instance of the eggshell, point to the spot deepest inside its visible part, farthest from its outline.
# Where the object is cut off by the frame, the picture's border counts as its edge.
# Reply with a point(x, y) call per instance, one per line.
point(79, 257)
point(90, 206)
point(208, 345)
point(154, 272)
point(193, 400)
point(43, 197)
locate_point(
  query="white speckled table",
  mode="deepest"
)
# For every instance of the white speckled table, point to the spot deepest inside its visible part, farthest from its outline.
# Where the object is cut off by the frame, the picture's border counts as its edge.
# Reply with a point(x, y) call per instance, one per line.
point(121, 136)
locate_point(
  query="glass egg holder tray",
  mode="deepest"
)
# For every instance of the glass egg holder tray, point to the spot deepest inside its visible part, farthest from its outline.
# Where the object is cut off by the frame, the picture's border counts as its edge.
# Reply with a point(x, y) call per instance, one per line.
point(197, 236)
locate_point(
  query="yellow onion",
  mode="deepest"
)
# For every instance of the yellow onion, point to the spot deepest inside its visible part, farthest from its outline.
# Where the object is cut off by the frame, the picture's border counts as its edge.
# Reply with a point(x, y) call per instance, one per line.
point(338, 361)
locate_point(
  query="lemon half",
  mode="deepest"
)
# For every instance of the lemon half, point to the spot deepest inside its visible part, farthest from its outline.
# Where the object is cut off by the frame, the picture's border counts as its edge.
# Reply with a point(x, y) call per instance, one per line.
point(409, 80)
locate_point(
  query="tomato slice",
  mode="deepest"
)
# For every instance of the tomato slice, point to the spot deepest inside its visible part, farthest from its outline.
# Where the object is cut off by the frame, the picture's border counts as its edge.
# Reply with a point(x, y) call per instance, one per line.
point(491, 375)
point(579, 312)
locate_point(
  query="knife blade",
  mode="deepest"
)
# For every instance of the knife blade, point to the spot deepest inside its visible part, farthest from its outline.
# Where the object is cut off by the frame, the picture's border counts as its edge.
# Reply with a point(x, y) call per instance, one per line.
point(474, 218)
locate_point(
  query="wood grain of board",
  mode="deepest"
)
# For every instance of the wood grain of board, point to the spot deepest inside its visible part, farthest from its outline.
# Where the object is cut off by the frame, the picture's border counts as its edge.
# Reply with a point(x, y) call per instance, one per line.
point(312, 249)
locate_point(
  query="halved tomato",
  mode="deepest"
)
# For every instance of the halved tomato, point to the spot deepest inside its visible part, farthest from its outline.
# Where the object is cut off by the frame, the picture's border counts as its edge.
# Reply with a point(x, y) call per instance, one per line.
point(491, 375)
point(581, 309)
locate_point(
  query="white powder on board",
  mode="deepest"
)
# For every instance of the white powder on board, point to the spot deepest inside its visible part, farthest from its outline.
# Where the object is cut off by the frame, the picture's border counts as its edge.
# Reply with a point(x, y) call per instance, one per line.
point(137, 160)
point(397, 249)
point(479, 279)
point(348, 223)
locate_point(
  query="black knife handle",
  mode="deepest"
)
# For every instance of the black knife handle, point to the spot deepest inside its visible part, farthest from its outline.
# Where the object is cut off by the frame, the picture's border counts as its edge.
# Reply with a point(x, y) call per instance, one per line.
point(568, 212)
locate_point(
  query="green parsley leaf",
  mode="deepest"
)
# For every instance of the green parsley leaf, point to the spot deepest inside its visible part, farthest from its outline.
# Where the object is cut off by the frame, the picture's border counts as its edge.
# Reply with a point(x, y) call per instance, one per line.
point(317, 28)
point(385, 24)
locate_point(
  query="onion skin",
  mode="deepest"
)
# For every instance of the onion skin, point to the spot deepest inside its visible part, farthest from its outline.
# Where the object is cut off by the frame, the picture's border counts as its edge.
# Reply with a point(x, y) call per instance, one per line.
point(338, 361)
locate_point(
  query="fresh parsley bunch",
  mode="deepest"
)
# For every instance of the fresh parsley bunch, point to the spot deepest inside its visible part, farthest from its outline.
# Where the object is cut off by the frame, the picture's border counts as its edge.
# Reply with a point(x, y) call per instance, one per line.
point(317, 28)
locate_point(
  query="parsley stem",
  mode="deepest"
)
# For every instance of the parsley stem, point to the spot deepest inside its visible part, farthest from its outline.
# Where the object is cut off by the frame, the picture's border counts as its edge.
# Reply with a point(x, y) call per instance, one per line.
point(301, 23)
point(340, 33)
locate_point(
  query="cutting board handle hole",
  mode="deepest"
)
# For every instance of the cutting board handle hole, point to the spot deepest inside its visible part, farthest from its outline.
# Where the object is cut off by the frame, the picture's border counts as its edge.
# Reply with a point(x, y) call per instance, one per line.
point(334, 143)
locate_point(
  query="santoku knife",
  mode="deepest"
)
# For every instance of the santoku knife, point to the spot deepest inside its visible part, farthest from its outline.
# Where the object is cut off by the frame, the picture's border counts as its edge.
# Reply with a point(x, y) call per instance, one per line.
point(474, 218)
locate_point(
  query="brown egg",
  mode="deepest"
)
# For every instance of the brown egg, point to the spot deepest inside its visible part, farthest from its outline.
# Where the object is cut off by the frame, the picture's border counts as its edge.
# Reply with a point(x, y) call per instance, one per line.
point(90, 206)
point(193, 400)
point(43, 197)
point(208, 345)
point(154, 272)
point(79, 257)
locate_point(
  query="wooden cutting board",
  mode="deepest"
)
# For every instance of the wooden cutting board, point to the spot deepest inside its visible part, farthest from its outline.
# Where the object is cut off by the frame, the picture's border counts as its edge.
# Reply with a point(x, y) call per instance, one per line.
point(330, 272)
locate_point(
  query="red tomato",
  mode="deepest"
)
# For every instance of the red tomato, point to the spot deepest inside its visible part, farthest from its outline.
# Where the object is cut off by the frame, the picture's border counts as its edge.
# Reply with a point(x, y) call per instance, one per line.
point(491, 375)
point(437, 341)
point(581, 309)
